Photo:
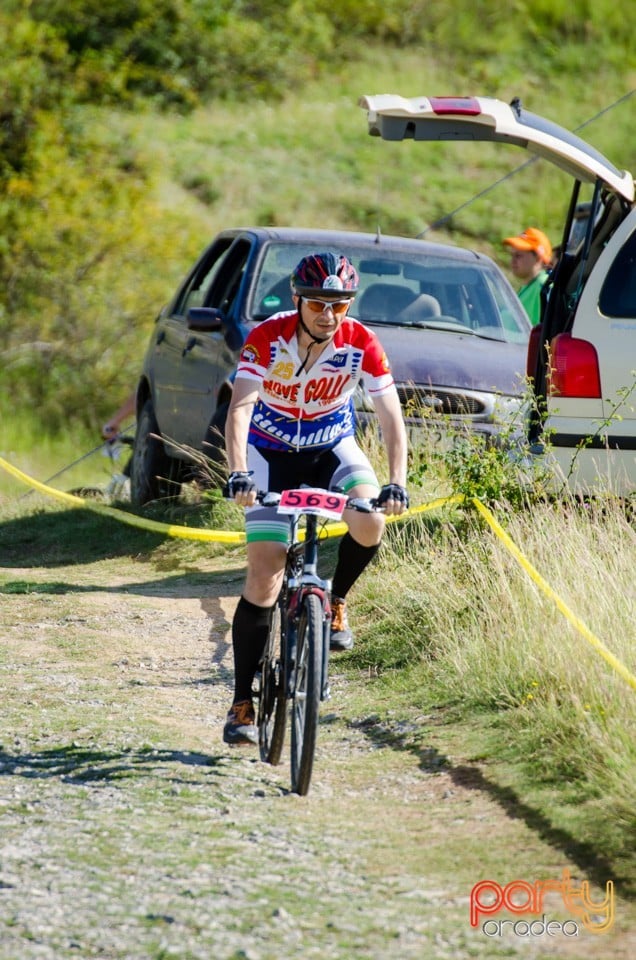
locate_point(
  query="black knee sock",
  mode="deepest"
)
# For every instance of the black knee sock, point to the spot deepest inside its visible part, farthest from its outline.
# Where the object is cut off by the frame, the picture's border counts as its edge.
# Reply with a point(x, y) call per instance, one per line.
point(250, 627)
point(352, 560)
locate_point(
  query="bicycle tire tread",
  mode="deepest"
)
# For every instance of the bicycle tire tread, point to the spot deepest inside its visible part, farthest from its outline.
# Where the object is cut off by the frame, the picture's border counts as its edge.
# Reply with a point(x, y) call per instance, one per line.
point(307, 691)
point(272, 697)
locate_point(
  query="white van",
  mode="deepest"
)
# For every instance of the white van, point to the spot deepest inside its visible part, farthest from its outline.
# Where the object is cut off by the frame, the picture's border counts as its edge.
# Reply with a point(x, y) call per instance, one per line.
point(582, 357)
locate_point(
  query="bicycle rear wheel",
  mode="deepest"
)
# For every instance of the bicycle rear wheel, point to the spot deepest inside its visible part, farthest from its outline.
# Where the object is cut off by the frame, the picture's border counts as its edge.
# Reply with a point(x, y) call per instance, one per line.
point(306, 698)
point(272, 700)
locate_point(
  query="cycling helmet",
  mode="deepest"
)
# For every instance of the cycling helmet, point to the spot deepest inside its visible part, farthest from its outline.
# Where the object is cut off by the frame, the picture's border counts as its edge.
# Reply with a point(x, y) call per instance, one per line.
point(326, 272)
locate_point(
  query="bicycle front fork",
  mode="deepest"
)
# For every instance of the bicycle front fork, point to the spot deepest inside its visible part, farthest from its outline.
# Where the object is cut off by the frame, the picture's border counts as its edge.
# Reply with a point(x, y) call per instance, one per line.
point(293, 615)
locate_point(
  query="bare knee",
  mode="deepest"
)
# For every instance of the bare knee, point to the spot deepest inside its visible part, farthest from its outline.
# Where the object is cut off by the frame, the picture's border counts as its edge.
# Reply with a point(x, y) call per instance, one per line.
point(265, 566)
point(366, 528)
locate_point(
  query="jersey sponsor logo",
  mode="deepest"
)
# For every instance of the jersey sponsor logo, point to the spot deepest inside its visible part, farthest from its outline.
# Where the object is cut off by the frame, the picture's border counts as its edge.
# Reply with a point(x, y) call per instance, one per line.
point(326, 389)
point(250, 354)
point(339, 360)
point(286, 391)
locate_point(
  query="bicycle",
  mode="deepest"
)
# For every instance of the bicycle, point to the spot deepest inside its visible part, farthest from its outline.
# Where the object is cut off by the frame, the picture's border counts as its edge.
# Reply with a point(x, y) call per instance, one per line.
point(295, 665)
point(118, 487)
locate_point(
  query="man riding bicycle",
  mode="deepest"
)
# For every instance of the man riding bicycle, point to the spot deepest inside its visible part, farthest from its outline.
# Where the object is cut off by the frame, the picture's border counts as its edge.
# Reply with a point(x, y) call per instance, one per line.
point(291, 422)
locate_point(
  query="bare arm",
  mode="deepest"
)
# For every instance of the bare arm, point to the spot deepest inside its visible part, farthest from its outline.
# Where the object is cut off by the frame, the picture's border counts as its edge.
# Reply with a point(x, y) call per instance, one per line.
point(127, 409)
point(389, 414)
point(237, 425)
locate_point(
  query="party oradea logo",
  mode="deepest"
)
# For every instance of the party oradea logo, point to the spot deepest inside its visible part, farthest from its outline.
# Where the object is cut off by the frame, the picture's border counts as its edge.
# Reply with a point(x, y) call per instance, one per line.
point(522, 898)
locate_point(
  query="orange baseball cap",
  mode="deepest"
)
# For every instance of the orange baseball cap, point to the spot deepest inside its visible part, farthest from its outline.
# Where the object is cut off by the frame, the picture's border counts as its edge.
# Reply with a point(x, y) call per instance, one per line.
point(532, 239)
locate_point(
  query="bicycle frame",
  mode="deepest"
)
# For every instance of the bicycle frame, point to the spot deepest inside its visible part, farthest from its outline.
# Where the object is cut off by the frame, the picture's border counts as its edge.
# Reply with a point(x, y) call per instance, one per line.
point(301, 578)
point(295, 664)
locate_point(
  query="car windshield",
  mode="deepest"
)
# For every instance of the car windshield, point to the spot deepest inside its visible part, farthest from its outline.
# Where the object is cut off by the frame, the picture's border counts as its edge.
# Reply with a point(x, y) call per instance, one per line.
point(403, 288)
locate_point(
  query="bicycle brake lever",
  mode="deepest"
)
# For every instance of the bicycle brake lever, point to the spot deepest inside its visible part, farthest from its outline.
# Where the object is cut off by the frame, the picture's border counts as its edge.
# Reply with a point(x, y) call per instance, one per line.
point(362, 504)
point(269, 499)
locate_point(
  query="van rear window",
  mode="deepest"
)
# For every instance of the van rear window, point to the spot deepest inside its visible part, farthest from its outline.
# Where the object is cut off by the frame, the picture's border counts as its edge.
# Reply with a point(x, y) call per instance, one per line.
point(618, 294)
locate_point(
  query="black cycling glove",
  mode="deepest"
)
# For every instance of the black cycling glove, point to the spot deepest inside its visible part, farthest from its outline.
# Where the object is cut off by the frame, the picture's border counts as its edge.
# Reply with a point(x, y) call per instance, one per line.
point(240, 481)
point(393, 491)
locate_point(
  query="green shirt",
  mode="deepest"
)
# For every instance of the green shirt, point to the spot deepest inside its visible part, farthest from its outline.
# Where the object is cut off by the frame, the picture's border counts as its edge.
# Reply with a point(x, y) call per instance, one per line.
point(530, 296)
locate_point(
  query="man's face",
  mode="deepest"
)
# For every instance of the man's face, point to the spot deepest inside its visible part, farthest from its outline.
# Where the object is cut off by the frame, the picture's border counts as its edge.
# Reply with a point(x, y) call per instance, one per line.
point(525, 264)
point(323, 315)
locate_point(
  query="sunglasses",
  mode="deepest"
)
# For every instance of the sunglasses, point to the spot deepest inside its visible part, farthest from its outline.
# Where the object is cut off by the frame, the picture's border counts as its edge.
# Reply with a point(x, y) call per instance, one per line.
point(339, 307)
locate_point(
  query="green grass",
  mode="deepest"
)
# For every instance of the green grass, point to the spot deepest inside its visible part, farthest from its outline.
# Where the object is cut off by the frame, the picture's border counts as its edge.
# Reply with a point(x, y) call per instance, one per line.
point(449, 624)
point(450, 619)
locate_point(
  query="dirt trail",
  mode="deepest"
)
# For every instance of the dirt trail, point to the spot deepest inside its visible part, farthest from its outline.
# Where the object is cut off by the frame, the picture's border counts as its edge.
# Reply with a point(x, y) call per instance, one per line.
point(128, 830)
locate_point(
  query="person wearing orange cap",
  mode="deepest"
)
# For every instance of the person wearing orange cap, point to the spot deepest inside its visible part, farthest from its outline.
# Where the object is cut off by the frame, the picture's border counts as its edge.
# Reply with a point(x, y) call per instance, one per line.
point(531, 253)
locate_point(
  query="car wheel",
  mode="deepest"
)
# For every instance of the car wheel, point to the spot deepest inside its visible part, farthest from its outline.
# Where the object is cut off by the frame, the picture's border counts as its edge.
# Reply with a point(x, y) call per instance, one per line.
point(153, 474)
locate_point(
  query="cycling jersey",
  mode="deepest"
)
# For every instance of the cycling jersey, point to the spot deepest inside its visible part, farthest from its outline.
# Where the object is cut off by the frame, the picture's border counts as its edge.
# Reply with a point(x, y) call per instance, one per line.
point(309, 409)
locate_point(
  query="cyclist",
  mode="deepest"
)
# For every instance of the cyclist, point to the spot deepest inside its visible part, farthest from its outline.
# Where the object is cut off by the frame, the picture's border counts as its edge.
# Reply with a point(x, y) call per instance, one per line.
point(291, 422)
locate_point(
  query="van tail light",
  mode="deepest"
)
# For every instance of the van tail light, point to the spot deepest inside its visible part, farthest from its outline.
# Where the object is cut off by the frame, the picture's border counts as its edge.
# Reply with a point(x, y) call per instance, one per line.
point(536, 338)
point(574, 370)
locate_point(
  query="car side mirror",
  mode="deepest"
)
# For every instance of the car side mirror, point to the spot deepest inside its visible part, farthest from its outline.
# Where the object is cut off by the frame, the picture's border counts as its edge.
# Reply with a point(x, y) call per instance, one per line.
point(235, 334)
point(213, 320)
point(205, 319)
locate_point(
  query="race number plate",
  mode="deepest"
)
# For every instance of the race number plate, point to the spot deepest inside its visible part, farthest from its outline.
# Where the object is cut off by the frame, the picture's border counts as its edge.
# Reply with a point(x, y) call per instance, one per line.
point(322, 503)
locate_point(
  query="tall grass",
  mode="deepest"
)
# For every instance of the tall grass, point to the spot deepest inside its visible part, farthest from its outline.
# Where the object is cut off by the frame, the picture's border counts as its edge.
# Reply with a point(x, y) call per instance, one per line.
point(450, 612)
point(447, 618)
point(34, 451)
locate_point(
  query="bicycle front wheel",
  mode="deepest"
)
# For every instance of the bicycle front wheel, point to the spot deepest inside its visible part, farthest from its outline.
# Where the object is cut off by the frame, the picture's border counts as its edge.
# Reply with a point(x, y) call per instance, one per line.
point(272, 699)
point(306, 698)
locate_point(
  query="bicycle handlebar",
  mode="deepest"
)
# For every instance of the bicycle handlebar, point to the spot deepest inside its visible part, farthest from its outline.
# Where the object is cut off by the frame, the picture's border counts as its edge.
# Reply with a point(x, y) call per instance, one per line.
point(361, 504)
point(125, 439)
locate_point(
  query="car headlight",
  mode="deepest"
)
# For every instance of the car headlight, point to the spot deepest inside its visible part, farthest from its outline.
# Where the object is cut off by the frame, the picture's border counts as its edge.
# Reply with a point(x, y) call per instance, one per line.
point(507, 410)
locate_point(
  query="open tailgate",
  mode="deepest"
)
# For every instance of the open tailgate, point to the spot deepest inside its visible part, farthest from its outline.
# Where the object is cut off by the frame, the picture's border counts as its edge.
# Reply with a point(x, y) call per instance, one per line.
point(393, 117)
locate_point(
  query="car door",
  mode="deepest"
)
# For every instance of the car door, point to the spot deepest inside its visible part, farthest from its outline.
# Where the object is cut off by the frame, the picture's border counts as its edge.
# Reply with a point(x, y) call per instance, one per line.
point(207, 358)
point(190, 365)
point(173, 343)
point(606, 317)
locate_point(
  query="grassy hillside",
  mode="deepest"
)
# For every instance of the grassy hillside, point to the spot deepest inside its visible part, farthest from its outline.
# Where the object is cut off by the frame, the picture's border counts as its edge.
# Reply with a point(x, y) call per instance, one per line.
point(310, 161)
point(117, 196)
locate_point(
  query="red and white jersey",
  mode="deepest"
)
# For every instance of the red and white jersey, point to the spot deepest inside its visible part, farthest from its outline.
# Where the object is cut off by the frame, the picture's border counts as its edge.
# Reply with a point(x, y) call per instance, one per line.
point(309, 409)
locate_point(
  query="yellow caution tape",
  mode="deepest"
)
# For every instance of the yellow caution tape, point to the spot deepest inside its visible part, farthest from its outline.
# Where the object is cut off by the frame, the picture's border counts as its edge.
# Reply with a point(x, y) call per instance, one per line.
point(184, 533)
point(168, 529)
point(549, 592)
point(333, 530)
point(338, 529)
